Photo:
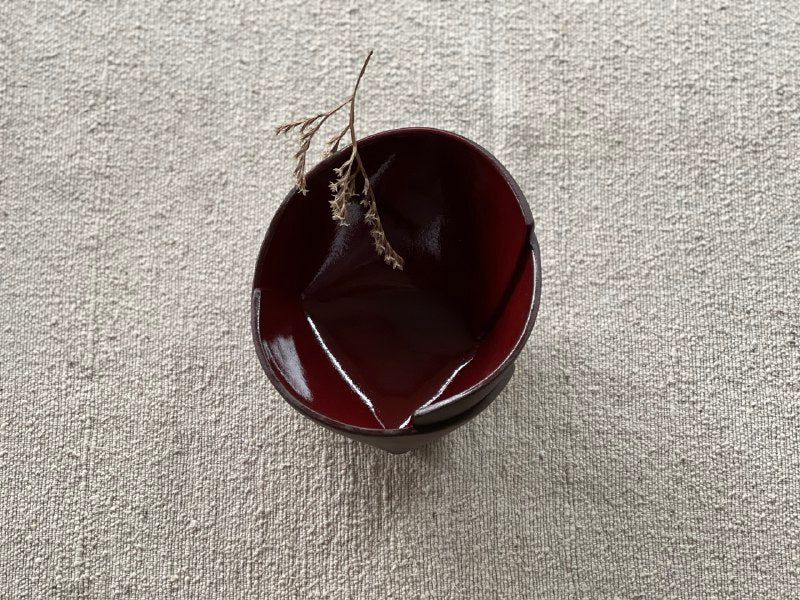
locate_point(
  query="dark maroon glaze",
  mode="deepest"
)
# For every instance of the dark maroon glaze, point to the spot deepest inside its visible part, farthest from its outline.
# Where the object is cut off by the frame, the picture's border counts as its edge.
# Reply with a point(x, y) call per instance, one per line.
point(361, 347)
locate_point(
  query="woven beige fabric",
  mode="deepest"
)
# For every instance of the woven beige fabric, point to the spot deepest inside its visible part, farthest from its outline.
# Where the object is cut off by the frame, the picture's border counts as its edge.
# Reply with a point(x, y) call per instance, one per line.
point(649, 443)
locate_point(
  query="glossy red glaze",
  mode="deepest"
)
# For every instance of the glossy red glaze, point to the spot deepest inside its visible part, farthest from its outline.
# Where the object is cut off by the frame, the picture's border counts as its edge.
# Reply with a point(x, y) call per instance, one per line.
point(347, 339)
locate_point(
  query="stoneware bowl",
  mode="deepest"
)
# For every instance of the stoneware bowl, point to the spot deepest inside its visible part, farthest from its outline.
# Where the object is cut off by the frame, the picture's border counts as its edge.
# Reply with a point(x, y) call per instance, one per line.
point(397, 358)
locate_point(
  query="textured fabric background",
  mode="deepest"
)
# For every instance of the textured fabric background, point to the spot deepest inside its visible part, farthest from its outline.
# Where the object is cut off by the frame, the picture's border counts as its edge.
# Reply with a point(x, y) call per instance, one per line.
point(649, 444)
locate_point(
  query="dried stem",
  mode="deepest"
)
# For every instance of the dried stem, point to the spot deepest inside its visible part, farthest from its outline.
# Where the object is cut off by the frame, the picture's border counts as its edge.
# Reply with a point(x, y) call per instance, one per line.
point(306, 135)
point(344, 187)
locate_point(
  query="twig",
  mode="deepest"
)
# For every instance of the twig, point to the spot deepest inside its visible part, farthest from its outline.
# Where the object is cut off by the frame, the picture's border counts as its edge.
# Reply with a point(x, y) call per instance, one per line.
point(344, 187)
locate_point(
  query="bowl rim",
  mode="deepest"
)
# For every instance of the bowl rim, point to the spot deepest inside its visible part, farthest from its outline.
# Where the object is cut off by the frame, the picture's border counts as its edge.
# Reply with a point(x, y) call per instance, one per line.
point(486, 382)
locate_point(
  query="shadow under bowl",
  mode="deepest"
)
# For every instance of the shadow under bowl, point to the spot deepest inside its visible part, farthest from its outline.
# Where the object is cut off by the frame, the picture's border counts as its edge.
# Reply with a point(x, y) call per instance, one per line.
point(399, 358)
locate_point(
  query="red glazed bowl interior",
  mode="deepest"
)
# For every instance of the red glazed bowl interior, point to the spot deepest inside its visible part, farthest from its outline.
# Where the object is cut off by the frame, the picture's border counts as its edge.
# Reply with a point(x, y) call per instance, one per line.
point(350, 341)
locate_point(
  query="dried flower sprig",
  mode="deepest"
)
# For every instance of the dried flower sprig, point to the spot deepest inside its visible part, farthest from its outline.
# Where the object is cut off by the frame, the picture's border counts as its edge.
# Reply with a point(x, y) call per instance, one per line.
point(344, 188)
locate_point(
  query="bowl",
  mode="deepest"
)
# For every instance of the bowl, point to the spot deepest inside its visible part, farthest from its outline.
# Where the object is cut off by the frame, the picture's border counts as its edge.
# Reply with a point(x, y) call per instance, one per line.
point(398, 358)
